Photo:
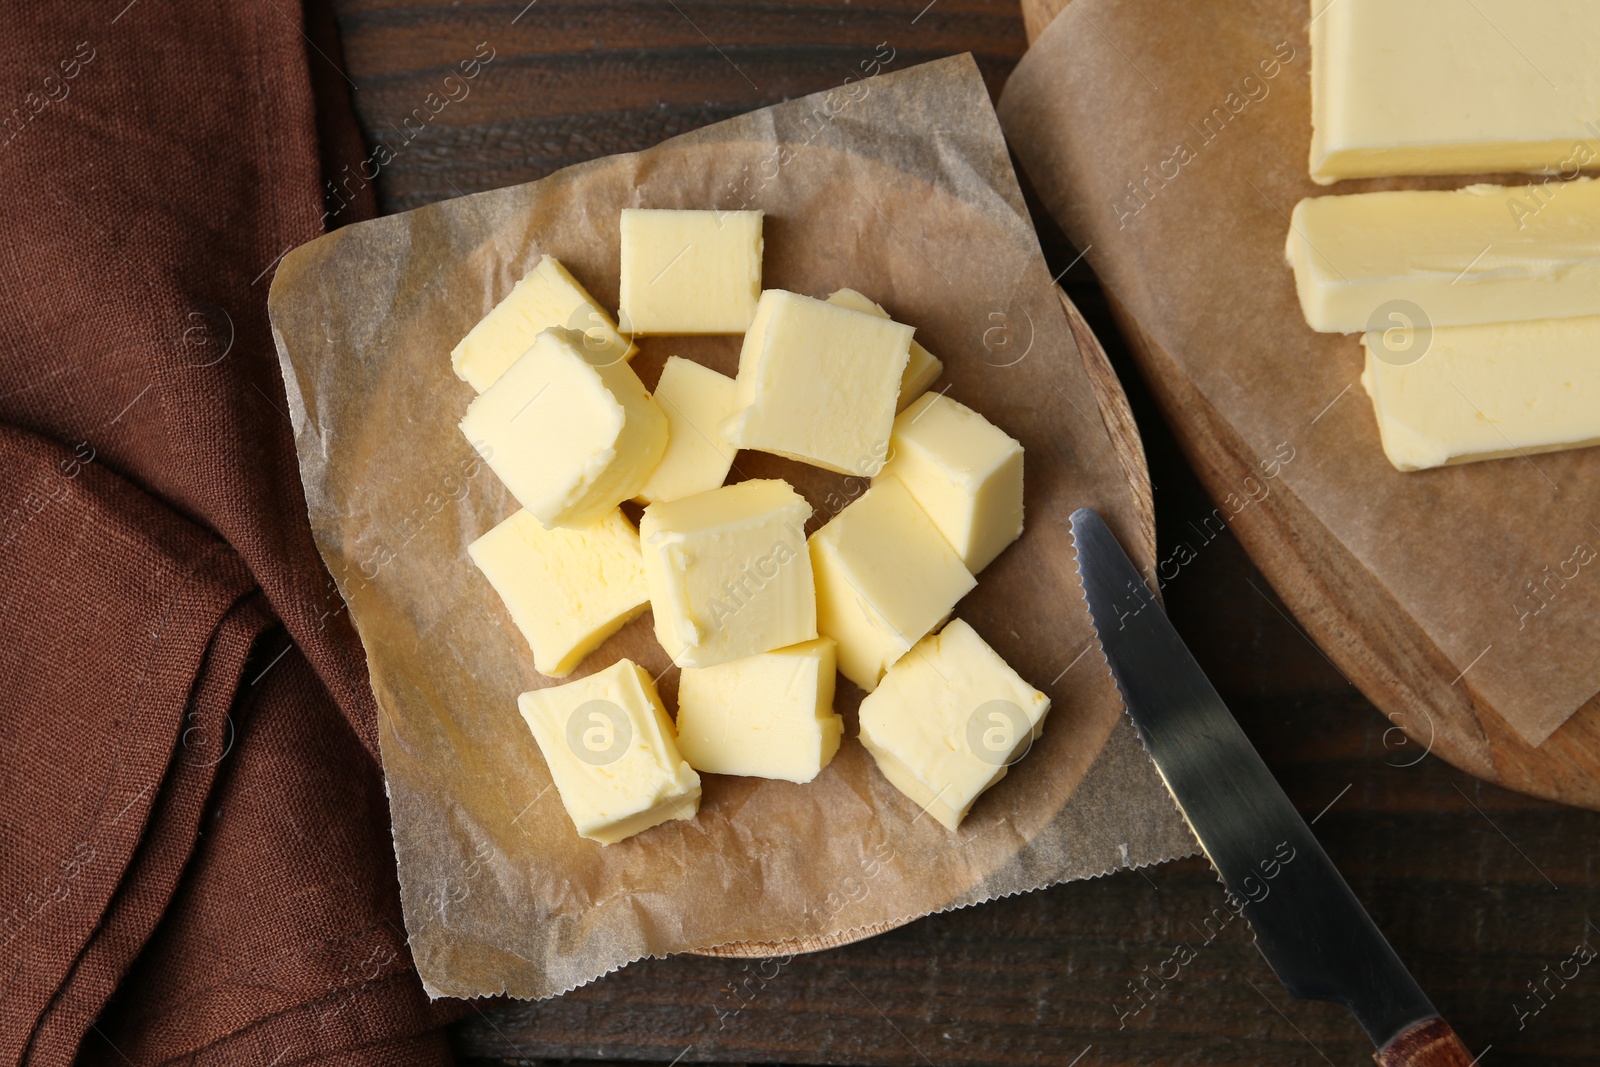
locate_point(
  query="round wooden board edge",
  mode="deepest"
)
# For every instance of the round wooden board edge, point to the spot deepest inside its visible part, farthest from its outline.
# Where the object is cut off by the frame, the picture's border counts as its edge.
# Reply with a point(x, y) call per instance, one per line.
point(1124, 433)
point(1371, 639)
point(1365, 632)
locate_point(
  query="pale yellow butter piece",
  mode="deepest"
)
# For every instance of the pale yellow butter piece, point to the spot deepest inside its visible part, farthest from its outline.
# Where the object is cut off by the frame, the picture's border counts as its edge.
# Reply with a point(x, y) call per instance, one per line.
point(766, 716)
point(546, 296)
point(1488, 392)
point(1453, 87)
point(964, 471)
point(728, 572)
point(885, 577)
point(570, 438)
point(567, 590)
point(689, 272)
point(1461, 256)
point(948, 721)
point(697, 401)
point(922, 367)
point(611, 753)
point(818, 382)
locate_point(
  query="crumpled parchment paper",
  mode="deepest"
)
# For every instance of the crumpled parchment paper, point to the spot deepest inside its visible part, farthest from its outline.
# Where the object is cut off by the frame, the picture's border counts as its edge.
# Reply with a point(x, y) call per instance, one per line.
point(898, 185)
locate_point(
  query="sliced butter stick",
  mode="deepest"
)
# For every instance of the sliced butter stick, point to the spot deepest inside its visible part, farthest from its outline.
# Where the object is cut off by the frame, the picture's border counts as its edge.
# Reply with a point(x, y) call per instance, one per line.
point(1486, 253)
point(1486, 392)
point(1453, 87)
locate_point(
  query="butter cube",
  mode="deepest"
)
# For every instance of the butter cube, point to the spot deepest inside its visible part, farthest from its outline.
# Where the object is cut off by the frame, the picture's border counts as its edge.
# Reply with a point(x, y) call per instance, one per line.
point(1487, 392)
point(948, 721)
point(818, 382)
point(689, 271)
point(964, 471)
point(728, 572)
point(767, 716)
point(1441, 87)
point(922, 368)
point(546, 296)
point(567, 590)
point(611, 752)
point(697, 401)
point(571, 439)
point(885, 577)
point(1449, 257)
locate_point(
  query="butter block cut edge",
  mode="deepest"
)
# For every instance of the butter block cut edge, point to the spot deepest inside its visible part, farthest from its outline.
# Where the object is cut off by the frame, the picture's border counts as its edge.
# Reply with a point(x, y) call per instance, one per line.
point(1409, 450)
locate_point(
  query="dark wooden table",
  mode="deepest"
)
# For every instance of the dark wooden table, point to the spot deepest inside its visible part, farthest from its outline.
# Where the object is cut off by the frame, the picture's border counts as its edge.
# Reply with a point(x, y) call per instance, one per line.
point(1484, 893)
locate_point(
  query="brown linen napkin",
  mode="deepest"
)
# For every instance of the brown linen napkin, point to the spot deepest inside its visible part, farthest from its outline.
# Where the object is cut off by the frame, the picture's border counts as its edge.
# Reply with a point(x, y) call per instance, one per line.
point(194, 850)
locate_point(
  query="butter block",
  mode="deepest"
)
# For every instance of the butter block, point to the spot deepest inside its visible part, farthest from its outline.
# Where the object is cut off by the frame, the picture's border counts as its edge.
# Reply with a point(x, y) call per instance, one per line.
point(818, 382)
point(922, 367)
point(697, 401)
point(571, 439)
point(964, 471)
point(766, 716)
point(1488, 392)
point(949, 720)
point(885, 577)
point(689, 271)
point(611, 753)
point(728, 572)
point(1442, 87)
point(567, 590)
point(1461, 256)
point(546, 296)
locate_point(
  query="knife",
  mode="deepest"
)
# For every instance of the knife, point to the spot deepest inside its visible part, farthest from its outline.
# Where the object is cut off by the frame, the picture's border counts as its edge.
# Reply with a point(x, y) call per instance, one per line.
point(1318, 938)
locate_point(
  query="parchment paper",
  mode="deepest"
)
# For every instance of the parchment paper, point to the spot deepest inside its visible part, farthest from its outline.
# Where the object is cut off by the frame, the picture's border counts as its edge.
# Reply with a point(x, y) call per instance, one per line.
point(1193, 246)
point(898, 185)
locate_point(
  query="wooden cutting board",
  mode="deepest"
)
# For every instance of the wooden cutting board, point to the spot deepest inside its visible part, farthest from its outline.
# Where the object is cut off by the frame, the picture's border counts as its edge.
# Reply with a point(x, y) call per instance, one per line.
point(1346, 611)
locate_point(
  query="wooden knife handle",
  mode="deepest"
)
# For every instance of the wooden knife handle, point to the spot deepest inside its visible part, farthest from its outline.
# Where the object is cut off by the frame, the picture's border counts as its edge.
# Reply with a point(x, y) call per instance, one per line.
point(1427, 1044)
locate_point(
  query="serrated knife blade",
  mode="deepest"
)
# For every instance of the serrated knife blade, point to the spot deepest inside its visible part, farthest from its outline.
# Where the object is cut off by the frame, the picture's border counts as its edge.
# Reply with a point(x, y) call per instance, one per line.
point(1313, 931)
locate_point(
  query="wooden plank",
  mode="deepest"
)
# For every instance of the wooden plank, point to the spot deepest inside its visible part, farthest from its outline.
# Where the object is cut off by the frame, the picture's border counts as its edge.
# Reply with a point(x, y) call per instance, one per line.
point(571, 79)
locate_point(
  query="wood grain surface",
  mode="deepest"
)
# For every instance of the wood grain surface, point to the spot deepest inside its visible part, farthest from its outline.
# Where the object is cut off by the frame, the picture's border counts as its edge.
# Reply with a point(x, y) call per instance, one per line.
point(1487, 894)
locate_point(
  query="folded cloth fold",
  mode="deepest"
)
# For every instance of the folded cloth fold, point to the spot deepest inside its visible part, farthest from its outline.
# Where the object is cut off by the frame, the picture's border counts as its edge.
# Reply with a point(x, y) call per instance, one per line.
point(195, 861)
